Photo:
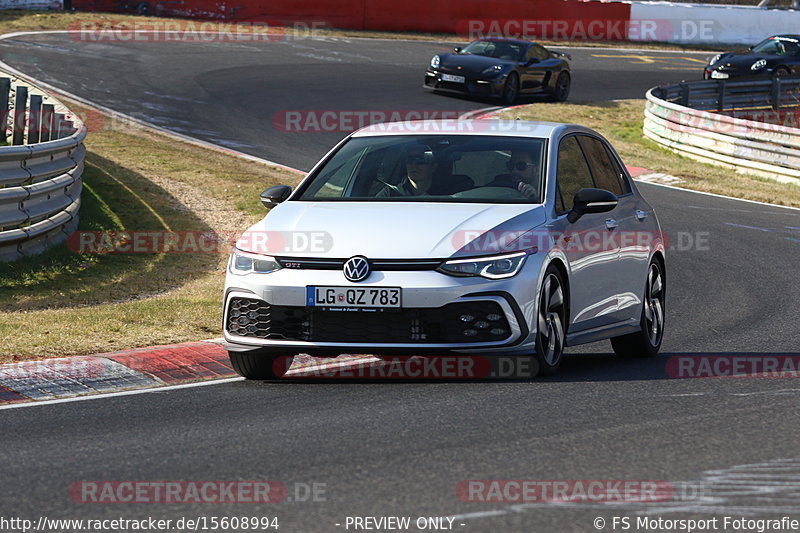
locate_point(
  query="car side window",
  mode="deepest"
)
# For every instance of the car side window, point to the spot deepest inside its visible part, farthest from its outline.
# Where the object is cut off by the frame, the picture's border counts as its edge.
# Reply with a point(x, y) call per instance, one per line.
point(539, 52)
point(621, 173)
point(573, 171)
point(606, 175)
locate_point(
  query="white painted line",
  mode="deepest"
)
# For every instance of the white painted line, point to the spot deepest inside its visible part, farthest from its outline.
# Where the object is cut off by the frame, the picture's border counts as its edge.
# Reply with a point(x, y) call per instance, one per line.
point(478, 514)
point(35, 403)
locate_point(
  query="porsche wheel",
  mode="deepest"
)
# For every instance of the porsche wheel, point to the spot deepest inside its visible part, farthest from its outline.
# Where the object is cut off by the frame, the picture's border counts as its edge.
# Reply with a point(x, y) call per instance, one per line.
point(511, 89)
point(562, 87)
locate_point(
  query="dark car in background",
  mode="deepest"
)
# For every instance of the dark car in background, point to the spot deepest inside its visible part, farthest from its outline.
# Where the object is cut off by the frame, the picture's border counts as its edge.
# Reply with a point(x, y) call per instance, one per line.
point(501, 68)
point(774, 57)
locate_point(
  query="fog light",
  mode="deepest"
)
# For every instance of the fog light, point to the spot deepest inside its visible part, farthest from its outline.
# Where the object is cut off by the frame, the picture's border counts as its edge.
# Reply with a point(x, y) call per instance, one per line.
point(470, 332)
point(498, 331)
point(252, 314)
point(481, 324)
point(243, 320)
point(493, 317)
point(236, 313)
point(467, 318)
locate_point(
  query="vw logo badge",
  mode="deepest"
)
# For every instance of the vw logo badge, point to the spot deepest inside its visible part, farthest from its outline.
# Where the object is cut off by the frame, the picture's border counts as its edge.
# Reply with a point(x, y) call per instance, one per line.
point(356, 268)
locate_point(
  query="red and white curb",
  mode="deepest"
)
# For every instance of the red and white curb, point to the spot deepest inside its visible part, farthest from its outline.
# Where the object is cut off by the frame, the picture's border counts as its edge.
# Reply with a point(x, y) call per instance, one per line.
point(140, 368)
point(67, 377)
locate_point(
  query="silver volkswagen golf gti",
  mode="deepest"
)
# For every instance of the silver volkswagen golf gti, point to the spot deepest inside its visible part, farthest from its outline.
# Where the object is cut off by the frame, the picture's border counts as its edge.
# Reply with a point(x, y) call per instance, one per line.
point(482, 237)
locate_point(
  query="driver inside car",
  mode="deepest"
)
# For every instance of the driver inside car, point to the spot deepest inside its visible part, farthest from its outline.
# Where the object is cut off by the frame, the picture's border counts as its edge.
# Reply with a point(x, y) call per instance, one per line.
point(420, 165)
point(523, 174)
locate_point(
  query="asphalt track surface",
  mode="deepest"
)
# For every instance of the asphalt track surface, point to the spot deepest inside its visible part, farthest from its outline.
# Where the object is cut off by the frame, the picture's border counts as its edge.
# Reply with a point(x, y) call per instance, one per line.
point(399, 448)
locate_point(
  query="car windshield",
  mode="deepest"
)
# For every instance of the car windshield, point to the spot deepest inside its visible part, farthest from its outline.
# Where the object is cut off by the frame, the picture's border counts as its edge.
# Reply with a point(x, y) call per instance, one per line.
point(496, 49)
point(431, 168)
point(778, 46)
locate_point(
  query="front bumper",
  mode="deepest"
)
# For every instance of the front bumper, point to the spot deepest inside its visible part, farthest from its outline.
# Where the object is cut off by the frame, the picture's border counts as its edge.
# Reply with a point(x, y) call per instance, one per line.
point(433, 303)
point(738, 74)
point(472, 85)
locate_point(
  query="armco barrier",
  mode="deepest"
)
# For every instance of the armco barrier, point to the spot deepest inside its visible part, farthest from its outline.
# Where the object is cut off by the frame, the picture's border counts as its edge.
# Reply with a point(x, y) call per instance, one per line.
point(40, 173)
point(767, 150)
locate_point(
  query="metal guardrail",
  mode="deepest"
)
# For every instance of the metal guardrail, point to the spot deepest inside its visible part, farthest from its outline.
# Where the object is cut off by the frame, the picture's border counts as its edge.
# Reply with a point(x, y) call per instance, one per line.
point(723, 95)
point(40, 171)
point(687, 119)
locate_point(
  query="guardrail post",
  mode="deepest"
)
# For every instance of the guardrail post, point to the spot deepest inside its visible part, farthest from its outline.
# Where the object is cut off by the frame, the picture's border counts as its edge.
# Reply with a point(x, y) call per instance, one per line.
point(685, 94)
point(48, 114)
point(775, 97)
point(35, 119)
point(5, 89)
point(721, 95)
point(20, 103)
point(58, 126)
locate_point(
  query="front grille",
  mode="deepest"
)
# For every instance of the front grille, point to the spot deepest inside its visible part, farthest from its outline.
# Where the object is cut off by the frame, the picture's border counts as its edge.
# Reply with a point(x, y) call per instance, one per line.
point(465, 322)
point(303, 263)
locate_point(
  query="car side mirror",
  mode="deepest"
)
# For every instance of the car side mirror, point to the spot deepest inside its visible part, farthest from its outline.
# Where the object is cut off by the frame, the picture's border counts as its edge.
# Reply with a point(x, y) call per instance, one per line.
point(275, 195)
point(457, 49)
point(592, 201)
point(531, 61)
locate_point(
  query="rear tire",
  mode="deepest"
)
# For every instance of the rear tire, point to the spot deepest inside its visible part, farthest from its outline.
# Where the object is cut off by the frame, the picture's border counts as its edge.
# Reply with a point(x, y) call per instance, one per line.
point(647, 341)
point(562, 87)
point(258, 365)
point(551, 330)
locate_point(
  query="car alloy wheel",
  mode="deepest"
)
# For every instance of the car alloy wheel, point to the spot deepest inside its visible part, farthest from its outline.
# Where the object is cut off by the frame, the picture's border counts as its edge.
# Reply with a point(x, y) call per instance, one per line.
point(511, 89)
point(551, 318)
point(654, 305)
point(563, 84)
point(647, 341)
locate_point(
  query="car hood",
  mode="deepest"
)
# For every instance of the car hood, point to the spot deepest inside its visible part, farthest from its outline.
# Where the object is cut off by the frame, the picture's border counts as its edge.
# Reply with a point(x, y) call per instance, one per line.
point(383, 230)
point(470, 64)
point(742, 60)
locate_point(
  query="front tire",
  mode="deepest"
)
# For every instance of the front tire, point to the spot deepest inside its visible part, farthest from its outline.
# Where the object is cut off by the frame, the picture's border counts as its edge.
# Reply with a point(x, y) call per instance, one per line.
point(551, 322)
point(647, 341)
point(258, 365)
point(511, 89)
point(781, 72)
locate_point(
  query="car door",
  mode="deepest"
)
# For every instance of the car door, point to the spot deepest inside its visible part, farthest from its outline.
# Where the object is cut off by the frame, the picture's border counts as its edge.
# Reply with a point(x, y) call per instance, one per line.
point(532, 70)
point(632, 238)
point(588, 244)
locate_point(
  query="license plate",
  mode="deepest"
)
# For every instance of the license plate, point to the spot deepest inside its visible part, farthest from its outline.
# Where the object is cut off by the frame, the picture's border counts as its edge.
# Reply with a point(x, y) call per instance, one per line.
point(719, 75)
point(354, 298)
point(450, 77)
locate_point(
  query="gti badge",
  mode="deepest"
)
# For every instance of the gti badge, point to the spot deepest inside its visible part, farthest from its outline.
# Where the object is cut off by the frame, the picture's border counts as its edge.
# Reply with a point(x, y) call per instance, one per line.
point(356, 268)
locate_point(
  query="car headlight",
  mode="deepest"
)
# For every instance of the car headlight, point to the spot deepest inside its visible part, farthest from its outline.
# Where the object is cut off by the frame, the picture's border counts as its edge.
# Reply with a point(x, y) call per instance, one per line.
point(435, 61)
point(761, 63)
point(496, 267)
point(242, 263)
point(494, 69)
point(714, 59)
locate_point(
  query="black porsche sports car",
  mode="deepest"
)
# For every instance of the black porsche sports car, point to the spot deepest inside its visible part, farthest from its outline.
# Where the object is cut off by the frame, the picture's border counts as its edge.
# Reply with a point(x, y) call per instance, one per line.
point(502, 68)
point(775, 56)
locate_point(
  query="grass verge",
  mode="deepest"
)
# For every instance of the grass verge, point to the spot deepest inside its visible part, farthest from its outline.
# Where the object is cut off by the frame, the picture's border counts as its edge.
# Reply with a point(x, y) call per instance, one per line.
point(621, 123)
point(63, 303)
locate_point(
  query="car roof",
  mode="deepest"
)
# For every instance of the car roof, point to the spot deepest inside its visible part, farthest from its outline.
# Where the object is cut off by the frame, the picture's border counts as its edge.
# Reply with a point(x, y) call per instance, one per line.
point(504, 40)
point(488, 127)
